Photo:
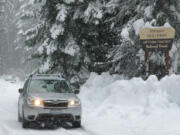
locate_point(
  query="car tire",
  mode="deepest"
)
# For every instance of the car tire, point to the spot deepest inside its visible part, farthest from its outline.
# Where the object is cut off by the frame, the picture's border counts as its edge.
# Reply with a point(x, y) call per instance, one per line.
point(76, 124)
point(25, 123)
point(19, 117)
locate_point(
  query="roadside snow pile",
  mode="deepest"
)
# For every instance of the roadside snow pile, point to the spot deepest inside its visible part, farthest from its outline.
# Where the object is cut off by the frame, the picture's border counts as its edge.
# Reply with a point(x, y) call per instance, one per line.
point(109, 95)
point(111, 106)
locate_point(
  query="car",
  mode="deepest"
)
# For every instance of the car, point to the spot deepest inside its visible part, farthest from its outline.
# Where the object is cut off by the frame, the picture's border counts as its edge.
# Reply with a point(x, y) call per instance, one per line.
point(47, 100)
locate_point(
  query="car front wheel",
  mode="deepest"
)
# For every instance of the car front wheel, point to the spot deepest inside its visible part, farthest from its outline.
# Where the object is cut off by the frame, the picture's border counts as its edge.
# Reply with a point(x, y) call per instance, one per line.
point(19, 117)
point(25, 123)
point(76, 124)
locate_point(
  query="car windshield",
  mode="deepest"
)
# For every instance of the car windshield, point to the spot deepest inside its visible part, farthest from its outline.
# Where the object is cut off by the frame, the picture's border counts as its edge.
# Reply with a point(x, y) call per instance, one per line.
point(53, 86)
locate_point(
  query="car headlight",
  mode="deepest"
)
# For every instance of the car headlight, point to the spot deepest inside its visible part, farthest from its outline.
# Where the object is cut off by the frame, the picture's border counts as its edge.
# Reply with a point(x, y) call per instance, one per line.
point(35, 102)
point(73, 102)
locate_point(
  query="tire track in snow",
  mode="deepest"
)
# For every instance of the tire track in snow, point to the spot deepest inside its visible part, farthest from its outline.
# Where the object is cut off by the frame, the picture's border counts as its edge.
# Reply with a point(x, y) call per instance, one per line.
point(9, 124)
point(80, 131)
point(4, 130)
point(88, 131)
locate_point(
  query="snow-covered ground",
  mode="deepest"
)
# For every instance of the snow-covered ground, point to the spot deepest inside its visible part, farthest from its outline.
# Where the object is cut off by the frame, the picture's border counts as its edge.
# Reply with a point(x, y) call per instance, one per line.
point(111, 106)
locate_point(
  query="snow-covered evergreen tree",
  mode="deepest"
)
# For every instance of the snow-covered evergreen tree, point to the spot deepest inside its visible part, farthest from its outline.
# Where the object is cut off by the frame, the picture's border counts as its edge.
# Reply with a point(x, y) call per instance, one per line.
point(8, 31)
point(66, 36)
point(124, 19)
point(75, 37)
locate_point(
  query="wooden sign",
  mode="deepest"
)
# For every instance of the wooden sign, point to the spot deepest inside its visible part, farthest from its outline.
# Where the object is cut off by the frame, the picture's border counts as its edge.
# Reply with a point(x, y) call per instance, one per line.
point(159, 38)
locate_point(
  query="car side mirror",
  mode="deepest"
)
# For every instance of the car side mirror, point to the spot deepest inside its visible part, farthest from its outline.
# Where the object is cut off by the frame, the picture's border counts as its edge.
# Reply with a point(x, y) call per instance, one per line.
point(21, 90)
point(76, 91)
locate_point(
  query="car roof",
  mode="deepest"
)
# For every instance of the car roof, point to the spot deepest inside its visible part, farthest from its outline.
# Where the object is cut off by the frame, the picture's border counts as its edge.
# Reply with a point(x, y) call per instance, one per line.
point(47, 77)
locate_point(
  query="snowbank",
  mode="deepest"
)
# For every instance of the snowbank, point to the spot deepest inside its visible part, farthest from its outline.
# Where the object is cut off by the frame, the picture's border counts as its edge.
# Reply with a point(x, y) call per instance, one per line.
point(104, 95)
point(111, 106)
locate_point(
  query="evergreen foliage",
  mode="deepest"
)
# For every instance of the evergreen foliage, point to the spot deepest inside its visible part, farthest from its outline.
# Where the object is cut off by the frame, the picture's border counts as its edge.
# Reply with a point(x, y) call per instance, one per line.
point(124, 19)
point(66, 37)
point(76, 37)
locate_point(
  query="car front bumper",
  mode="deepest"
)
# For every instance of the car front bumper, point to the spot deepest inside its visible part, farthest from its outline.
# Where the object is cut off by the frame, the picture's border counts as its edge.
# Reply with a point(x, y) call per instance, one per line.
point(69, 114)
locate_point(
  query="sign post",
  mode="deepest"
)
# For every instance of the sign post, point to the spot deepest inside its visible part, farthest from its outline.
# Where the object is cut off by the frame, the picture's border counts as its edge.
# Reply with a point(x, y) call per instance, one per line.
point(147, 63)
point(167, 62)
point(157, 39)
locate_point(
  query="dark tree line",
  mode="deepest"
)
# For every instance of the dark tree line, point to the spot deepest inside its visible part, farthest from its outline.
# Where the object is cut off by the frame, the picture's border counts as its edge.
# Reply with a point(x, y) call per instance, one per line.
point(76, 37)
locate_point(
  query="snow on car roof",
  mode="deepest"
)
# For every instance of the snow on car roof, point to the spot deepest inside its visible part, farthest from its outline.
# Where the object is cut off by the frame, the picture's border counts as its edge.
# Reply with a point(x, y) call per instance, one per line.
point(47, 76)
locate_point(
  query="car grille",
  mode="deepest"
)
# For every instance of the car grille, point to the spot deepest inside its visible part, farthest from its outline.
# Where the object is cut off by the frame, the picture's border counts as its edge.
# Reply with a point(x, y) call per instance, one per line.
point(56, 103)
point(62, 117)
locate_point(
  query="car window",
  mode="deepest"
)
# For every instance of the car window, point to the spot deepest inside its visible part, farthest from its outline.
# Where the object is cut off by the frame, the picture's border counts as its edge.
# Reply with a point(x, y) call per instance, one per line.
point(44, 86)
point(26, 85)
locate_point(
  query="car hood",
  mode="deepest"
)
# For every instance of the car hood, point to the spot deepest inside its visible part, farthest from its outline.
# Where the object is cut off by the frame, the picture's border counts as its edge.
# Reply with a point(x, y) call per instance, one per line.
point(53, 96)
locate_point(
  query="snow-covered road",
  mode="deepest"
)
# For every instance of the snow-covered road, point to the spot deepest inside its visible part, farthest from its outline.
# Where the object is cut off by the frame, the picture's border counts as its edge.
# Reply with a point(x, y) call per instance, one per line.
point(111, 106)
point(8, 115)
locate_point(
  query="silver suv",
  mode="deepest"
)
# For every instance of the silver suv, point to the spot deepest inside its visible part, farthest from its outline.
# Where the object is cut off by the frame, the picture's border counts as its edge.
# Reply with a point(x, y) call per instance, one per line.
point(48, 100)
